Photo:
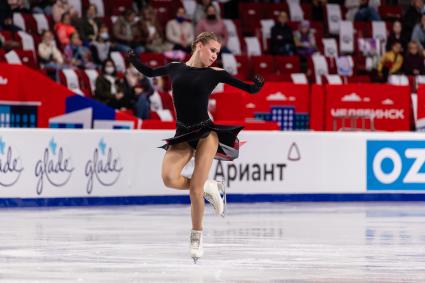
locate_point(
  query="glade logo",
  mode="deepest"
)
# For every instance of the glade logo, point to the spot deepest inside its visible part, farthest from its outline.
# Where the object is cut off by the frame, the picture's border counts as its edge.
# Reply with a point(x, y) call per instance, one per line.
point(395, 165)
point(53, 167)
point(104, 167)
point(10, 165)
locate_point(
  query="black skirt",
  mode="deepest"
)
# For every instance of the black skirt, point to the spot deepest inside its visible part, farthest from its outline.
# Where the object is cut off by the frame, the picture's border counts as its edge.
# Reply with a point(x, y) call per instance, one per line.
point(228, 142)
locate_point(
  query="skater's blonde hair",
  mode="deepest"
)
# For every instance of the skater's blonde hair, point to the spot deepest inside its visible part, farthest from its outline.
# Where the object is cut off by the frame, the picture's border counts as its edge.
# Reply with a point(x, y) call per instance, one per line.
point(204, 38)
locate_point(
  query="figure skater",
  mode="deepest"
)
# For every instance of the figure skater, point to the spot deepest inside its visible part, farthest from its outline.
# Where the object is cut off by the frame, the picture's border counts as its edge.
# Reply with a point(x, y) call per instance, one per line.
point(196, 135)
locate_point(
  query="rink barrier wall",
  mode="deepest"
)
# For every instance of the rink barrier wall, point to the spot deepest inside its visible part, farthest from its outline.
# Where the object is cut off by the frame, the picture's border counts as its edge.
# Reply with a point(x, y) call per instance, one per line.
point(231, 198)
point(53, 167)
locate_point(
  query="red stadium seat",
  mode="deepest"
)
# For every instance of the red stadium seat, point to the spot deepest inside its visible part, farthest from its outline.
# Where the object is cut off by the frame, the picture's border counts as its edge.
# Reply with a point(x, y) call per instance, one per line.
point(27, 58)
point(117, 7)
point(263, 64)
point(273, 10)
point(153, 60)
point(287, 64)
point(165, 9)
point(244, 67)
point(390, 12)
point(250, 15)
point(363, 29)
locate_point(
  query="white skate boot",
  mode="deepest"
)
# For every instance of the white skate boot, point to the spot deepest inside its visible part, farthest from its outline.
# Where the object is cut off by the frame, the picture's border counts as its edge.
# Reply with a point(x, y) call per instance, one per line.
point(212, 193)
point(196, 245)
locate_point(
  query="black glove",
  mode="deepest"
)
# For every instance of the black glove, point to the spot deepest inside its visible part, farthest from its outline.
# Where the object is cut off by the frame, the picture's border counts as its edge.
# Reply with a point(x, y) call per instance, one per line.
point(131, 54)
point(258, 81)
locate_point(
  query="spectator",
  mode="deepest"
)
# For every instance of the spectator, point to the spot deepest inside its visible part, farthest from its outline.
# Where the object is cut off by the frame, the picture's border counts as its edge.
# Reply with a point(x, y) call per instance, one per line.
point(61, 7)
point(101, 46)
point(5, 12)
point(42, 6)
point(318, 10)
point(19, 6)
point(8, 25)
point(76, 54)
point(391, 62)
point(412, 16)
point(88, 26)
point(51, 58)
point(418, 33)
point(304, 40)
point(179, 31)
point(127, 33)
point(366, 12)
point(212, 23)
point(201, 7)
point(109, 89)
point(64, 29)
point(413, 63)
point(397, 34)
point(142, 91)
point(155, 40)
point(282, 40)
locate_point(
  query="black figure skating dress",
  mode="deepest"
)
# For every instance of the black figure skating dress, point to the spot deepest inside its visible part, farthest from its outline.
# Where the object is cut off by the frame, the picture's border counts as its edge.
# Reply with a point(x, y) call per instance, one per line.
point(191, 90)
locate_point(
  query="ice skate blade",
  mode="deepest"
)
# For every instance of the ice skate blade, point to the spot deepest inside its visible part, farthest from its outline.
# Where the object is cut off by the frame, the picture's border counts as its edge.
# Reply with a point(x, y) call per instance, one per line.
point(195, 259)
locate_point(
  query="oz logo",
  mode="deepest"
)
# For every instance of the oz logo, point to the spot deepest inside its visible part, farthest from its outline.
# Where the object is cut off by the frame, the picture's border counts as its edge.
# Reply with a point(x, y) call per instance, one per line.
point(104, 166)
point(396, 165)
point(10, 165)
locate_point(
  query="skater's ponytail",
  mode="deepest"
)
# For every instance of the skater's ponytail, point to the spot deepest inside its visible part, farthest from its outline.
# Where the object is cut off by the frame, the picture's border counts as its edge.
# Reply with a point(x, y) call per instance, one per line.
point(204, 37)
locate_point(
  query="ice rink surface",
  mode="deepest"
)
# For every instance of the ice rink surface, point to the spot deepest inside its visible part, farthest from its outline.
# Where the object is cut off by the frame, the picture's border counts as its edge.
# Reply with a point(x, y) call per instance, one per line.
point(279, 242)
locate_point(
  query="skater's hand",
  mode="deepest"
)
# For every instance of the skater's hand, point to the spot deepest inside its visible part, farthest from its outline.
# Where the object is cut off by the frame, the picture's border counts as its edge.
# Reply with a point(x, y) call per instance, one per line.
point(258, 81)
point(131, 53)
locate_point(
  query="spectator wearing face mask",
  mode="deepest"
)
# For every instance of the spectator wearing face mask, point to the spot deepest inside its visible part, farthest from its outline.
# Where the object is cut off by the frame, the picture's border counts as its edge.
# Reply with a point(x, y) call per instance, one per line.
point(109, 89)
point(216, 25)
point(179, 31)
point(200, 9)
point(101, 46)
point(51, 58)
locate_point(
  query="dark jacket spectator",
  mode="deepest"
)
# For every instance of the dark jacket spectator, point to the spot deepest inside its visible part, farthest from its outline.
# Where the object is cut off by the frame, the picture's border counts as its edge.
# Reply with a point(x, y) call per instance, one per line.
point(88, 26)
point(413, 63)
point(366, 13)
point(397, 35)
point(412, 16)
point(282, 39)
point(109, 89)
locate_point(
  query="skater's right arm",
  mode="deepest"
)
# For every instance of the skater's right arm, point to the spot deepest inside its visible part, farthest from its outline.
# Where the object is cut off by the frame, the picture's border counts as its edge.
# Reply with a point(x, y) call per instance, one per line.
point(146, 70)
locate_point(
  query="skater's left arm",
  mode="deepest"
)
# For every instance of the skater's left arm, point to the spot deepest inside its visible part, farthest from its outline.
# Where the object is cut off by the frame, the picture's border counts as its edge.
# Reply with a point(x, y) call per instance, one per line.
point(225, 77)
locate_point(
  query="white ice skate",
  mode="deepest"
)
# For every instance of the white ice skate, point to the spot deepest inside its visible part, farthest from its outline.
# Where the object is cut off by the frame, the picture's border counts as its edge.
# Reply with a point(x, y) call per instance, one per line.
point(212, 193)
point(196, 245)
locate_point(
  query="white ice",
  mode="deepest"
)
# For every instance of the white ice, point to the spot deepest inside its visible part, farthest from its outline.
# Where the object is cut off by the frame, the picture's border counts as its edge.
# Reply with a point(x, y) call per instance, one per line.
point(279, 242)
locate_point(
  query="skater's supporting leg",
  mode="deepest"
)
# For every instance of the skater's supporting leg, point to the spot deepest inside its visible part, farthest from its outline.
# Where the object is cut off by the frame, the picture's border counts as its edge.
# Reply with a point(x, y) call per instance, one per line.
point(176, 157)
point(204, 156)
